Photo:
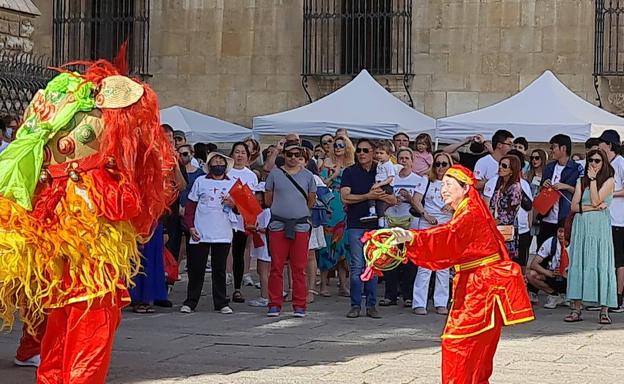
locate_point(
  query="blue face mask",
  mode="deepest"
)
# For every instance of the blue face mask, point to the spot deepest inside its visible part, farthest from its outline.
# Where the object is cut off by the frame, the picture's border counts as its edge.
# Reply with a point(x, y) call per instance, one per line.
point(9, 132)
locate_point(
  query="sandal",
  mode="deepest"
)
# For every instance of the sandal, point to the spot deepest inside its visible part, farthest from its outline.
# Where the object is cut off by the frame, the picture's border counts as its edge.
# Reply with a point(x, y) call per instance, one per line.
point(139, 309)
point(407, 303)
point(387, 302)
point(574, 316)
point(604, 318)
point(325, 294)
point(237, 297)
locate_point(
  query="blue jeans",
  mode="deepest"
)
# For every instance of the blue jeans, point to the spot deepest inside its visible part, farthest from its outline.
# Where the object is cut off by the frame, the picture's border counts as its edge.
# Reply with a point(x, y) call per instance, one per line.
point(356, 267)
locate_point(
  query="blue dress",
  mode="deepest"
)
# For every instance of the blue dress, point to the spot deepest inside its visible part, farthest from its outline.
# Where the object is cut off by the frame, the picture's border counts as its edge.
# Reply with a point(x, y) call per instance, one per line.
point(150, 283)
point(591, 273)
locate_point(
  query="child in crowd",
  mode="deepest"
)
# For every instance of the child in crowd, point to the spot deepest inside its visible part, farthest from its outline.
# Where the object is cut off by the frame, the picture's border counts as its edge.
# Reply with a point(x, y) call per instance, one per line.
point(548, 270)
point(384, 179)
point(423, 159)
point(260, 252)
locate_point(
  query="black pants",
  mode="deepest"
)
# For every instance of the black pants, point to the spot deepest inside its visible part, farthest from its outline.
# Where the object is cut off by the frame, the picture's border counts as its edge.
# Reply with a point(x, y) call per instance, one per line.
point(379, 205)
point(239, 242)
point(196, 263)
point(524, 243)
point(404, 276)
point(547, 230)
point(174, 230)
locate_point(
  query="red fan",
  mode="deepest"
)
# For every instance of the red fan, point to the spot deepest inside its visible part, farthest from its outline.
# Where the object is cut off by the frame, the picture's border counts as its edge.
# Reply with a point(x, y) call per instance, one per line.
point(248, 207)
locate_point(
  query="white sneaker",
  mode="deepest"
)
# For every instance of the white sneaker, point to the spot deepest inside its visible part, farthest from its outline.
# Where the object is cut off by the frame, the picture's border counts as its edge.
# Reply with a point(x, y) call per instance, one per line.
point(247, 280)
point(259, 302)
point(226, 310)
point(32, 362)
point(534, 298)
point(186, 309)
point(552, 301)
point(228, 279)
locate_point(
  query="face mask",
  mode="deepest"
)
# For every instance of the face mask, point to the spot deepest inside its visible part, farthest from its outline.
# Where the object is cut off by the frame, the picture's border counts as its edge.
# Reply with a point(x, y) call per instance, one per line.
point(217, 170)
point(9, 132)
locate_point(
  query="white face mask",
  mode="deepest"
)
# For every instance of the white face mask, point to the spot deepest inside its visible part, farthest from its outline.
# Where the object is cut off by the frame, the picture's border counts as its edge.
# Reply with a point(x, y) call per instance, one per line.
point(9, 132)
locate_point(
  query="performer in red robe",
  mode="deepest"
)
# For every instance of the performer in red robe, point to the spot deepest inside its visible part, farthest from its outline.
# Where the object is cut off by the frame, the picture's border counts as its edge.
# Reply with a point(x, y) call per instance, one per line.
point(488, 288)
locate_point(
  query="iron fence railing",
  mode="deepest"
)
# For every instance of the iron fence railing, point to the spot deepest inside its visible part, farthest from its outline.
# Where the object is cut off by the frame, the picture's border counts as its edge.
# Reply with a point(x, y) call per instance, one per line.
point(21, 75)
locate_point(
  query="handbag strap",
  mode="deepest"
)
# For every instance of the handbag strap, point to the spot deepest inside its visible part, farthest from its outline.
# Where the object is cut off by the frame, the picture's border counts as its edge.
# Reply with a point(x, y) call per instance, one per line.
point(294, 182)
point(425, 194)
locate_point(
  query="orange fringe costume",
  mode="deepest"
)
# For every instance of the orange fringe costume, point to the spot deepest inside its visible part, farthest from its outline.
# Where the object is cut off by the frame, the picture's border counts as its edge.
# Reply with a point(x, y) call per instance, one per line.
point(71, 214)
point(488, 288)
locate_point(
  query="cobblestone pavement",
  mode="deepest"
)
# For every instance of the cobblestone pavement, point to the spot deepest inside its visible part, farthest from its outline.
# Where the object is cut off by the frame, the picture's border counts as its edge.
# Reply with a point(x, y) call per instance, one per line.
point(326, 347)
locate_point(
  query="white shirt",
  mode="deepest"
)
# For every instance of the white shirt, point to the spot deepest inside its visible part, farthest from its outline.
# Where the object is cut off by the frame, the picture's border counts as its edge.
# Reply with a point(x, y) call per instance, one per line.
point(544, 252)
point(195, 163)
point(616, 209)
point(384, 171)
point(434, 203)
point(213, 224)
point(3, 145)
point(553, 216)
point(486, 168)
point(523, 216)
point(411, 184)
point(262, 253)
point(246, 176)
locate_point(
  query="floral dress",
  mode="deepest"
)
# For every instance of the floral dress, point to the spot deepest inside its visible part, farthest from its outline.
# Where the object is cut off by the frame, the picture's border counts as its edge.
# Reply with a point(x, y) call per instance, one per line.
point(504, 206)
point(337, 244)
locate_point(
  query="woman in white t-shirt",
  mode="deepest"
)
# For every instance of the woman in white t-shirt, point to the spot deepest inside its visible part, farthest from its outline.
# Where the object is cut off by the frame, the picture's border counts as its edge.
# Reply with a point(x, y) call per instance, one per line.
point(240, 258)
point(405, 185)
point(428, 202)
point(208, 215)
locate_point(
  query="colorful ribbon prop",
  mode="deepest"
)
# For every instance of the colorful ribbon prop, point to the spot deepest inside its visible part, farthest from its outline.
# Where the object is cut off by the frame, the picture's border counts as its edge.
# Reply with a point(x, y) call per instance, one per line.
point(381, 253)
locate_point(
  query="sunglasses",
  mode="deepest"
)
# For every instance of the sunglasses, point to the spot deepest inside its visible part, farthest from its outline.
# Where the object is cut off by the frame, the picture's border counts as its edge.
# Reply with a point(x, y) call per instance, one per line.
point(293, 154)
point(360, 150)
point(439, 164)
point(594, 160)
point(185, 154)
point(535, 158)
point(177, 138)
point(339, 146)
point(325, 142)
point(503, 165)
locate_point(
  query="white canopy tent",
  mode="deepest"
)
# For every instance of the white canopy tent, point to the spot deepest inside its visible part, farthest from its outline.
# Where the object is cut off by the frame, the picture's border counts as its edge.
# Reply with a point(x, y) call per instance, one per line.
point(543, 109)
point(202, 128)
point(362, 106)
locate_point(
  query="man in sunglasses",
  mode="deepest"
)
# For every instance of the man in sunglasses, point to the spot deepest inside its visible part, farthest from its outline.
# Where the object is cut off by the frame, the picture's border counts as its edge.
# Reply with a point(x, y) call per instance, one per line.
point(355, 191)
point(487, 167)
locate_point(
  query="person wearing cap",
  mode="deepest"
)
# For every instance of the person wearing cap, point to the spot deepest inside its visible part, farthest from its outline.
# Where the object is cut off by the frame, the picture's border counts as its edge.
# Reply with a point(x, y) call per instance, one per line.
point(610, 144)
point(208, 216)
point(488, 288)
point(311, 164)
point(290, 193)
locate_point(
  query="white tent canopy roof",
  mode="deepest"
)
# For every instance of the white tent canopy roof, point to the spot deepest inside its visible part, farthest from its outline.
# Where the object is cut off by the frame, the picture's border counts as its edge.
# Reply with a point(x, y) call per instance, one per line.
point(543, 109)
point(202, 128)
point(362, 106)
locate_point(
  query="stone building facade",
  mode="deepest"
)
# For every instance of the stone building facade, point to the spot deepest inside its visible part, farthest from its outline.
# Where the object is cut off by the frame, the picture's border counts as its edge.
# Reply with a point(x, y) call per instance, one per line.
point(17, 25)
point(236, 59)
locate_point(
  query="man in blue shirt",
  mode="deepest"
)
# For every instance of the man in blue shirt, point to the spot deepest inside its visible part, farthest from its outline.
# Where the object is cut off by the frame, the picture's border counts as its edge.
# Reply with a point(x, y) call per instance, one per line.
point(355, 191)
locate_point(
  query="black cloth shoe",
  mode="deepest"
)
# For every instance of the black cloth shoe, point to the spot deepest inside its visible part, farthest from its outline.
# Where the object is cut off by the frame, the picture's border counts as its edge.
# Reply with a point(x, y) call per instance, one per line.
point(163, 303)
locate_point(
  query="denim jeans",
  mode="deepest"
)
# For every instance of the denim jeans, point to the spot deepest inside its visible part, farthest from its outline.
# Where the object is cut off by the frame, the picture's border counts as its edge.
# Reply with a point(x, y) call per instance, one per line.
point(356, 268)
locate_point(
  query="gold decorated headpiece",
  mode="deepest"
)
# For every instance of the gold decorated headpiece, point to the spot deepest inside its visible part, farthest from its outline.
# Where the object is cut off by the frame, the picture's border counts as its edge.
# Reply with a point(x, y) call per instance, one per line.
point(118, 92)
point(462, 174)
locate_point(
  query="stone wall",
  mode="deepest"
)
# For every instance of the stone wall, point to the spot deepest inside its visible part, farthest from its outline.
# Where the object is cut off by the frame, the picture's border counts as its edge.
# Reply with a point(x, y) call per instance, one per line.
point(234, 59)
point(17, 25)
point(469, 54)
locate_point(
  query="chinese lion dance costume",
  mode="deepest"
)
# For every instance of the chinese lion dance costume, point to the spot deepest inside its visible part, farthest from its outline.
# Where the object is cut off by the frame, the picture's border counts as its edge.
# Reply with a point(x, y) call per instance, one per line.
point(85, 180)
point(488, 288)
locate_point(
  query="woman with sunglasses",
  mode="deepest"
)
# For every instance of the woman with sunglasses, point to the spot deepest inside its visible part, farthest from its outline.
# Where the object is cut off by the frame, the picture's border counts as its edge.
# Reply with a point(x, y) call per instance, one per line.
point(591, 273)
point(506, 200)
point(327, 145)
point(341, 154)
point(429, 204)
